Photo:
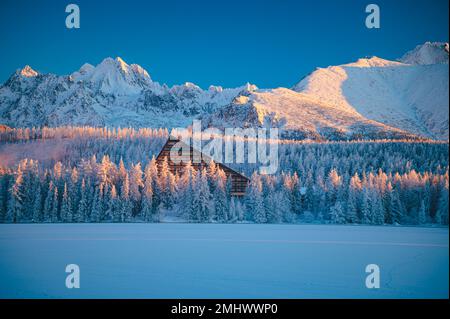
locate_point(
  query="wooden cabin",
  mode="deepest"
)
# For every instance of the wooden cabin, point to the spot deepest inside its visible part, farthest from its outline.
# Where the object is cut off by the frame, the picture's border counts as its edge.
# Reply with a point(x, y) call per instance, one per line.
point(238, 181)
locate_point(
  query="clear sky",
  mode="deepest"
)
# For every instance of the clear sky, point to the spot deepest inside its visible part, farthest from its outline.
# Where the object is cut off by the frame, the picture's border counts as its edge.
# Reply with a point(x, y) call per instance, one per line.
point(269, 43)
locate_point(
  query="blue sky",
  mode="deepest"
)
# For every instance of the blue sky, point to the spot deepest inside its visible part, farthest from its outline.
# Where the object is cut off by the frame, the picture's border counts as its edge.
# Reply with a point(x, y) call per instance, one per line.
point(228, 43)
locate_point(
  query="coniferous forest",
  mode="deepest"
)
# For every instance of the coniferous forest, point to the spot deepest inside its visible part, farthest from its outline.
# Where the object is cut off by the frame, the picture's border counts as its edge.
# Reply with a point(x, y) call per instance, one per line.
point(95, 175)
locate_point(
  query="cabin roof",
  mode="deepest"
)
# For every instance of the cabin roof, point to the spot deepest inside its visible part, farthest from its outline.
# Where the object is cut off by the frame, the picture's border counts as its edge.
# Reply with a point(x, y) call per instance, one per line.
point(205, 157)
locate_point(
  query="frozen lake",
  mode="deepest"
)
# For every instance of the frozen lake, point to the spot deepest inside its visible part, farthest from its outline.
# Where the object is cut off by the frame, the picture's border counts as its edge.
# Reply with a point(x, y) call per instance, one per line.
point(222, 261)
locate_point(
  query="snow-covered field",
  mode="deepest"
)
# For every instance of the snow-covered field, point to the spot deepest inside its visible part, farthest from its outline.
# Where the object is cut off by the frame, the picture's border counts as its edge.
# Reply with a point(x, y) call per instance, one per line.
point(222, 261)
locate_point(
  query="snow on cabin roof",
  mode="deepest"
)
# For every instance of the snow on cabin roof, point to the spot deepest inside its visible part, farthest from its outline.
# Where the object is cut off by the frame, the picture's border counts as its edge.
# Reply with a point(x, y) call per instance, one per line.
point(206, 158)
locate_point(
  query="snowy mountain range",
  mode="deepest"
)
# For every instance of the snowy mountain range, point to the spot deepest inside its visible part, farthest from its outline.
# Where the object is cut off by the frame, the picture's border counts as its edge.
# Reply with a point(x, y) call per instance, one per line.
point(372, 98)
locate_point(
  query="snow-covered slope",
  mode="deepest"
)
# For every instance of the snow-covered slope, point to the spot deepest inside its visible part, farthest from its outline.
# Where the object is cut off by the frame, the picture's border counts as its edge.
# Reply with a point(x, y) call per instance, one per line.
point(372, 97)
point(299, 116)
point(411, 97)
point(428, 53)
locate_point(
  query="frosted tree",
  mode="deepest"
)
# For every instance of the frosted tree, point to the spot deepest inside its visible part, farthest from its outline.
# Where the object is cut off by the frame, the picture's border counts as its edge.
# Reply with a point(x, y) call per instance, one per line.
point(337, 214)
point(387, 203)
point(37, 207)
point(240, 211)
point(122, 171)
point(220, 196)
point(232, 212)
point(164, 183)
point(422, 216)
point(354, 202)
point(188, 183)
point(202, 198)
point(125, 207)
point(112, 205)
point(55, 207)
point(66, 206)
point(29, 185)
point(74, 176)
point(151, 177)
point(334, 182)
point(48, 203)
point(147, 195)
point(442, 211)
point(366, 207)
point(397, 209)
point(254, 201)
point(74, 192)
point(171, 190)
point(97, 207)
point(15, 204)
point(297, 197)
point(212, 175)
point(106, 171)
point(4, 194)
point(82, 212)
point(377, 209)
point(283, 208)
point(136, 184)
point(271, 203)
point(57, 170)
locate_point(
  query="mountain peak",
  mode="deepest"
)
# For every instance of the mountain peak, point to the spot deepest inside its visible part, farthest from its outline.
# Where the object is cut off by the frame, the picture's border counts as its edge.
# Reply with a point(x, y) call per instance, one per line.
point(122, 64)
point(110, 61)
point(118, 63)
point(427, 53)
point(27, 72)
point(120, 60)
point(140, 70)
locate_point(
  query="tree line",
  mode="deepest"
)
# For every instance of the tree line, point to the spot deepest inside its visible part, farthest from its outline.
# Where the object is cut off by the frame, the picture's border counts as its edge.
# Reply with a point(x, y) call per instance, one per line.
point(110, 175)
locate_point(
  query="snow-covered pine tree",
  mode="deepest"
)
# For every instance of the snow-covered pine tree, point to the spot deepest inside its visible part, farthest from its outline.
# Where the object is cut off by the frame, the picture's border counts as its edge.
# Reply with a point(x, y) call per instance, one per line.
point(354, 201)
point(366, 207)
point(297, 197)
point(212, 174)
point(66, 206)
point(377, 208)
point(156, 199)
point(136, 185)
point(16, 197)
point(422, 216)
point(283, 208)
point(112, 205)
point(147, 195)
point(48, 203)
point(97, 207)
point(125, 207)
point(443, 207)
point(202, 197)
point(337, 214)
point(163, 184)
point(220, 196)
point(255, 210)
point(54, 215)
point(397, 209)
point(37, 206)
point(82, 212)
point(232, 213)
point(4, 194)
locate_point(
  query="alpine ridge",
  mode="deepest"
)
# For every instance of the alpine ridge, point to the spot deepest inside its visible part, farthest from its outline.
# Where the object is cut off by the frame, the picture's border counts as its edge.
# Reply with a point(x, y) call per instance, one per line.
point(369, 98)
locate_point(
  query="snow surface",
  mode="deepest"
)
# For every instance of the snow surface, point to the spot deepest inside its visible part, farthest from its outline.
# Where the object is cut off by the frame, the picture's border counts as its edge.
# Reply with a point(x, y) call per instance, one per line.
point(222, 261)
